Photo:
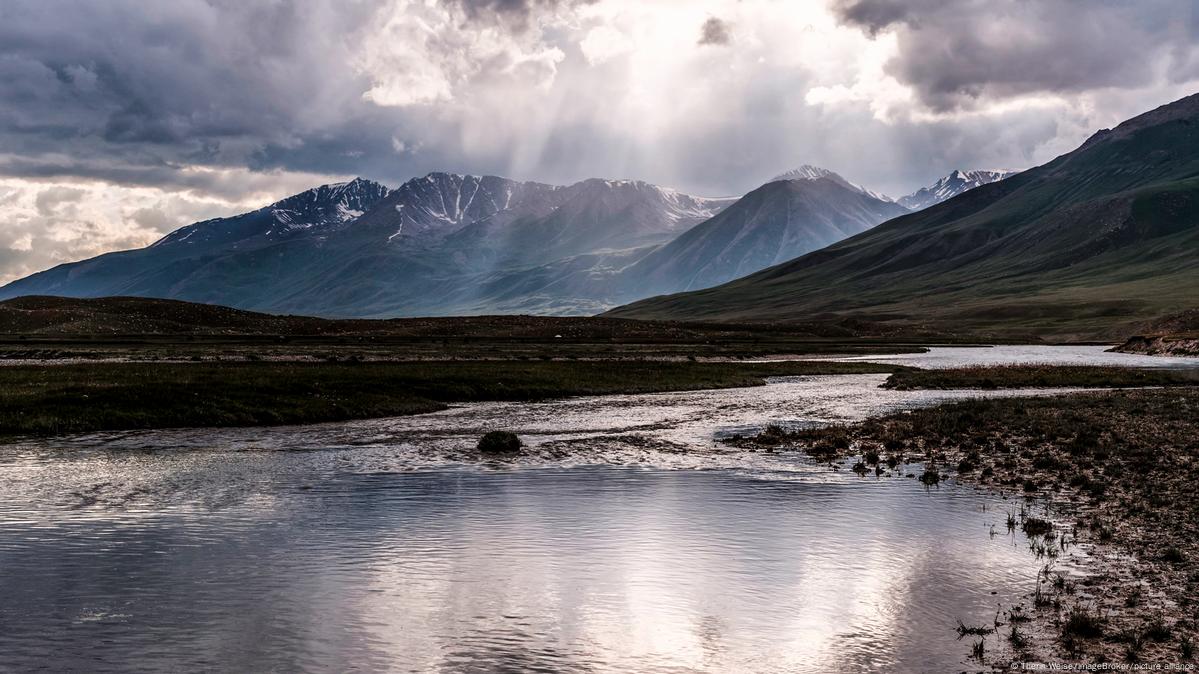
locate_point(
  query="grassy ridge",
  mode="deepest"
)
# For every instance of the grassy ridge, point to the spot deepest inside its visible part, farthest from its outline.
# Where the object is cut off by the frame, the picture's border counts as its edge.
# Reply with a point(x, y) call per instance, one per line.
point(115, 396)
point(1039, 376)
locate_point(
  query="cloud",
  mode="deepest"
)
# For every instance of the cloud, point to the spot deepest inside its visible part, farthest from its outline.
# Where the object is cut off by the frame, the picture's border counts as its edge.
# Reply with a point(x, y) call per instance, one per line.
point(161, 112)
point(714, 31)
point(516, 15)
point(426, 53)
point(962, 54)
point(22, 243)
point(603, 43)
point(48, 223)
point(49, 199)
point(139, 89)
point(876, 15)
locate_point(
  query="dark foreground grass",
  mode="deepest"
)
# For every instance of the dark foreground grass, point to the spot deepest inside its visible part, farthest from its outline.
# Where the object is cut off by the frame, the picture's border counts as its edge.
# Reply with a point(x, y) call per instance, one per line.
point(1040, 376)
point(1122, 468)
point(115, 396)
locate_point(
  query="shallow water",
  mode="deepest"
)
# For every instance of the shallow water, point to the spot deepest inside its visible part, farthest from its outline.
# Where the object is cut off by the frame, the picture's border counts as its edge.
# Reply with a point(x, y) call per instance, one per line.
point(556, 569)
point(942, 357)
point(385, 545)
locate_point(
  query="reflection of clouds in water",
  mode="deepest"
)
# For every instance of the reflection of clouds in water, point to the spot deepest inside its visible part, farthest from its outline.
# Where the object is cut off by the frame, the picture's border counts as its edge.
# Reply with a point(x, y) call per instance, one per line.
point(559, 569)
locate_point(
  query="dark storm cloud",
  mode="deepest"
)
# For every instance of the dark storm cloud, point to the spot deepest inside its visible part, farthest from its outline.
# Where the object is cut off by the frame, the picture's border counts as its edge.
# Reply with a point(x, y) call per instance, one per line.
point(130, 92)
point(958, 53)
point(875, 15)
point(139, 93)
point(127, 90)
point(714, 31)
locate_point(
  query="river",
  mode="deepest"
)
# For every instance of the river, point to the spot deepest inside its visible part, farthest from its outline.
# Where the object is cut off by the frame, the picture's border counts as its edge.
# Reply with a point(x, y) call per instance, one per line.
point(628, 539)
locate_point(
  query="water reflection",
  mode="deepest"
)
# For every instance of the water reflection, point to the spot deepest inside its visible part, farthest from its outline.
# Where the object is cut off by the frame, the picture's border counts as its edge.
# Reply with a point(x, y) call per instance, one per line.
point(1075, 354)
point(574, 569)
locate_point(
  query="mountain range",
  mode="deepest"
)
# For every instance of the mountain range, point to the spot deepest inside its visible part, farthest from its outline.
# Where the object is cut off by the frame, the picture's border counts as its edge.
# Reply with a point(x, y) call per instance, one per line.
point(1089, 245)
point(359, 249)
point(458, 244)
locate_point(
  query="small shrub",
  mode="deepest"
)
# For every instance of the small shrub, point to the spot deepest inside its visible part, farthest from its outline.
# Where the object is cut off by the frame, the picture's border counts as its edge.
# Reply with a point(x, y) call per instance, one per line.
point(1158, 631)
point(1046, 462)
point(1016, 639)
point(1173, 555)
point(1083, 624)
point(774, 430)
point(822, 449)
point(963, 629)
point(1035, 526)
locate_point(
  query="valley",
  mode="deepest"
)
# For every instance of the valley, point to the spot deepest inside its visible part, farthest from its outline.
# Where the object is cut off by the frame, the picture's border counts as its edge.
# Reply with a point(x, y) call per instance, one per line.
point(599, 336)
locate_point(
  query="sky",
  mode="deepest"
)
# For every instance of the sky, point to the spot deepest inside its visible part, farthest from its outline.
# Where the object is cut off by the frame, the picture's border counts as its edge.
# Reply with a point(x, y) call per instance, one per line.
point(125, 119)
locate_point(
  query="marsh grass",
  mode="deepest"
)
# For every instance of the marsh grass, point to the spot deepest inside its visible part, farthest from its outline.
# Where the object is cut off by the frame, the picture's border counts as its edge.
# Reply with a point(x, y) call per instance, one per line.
point(1035, 526)
point(42, 400)
point(964, 630)
point(1082, 624)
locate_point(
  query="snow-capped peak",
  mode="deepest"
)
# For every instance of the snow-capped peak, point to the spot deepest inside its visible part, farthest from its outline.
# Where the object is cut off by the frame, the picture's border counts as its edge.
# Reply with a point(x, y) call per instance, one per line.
point(806, 172)
point(948, 187)
point(810, 172)
point(329, 205)
point(336, 203)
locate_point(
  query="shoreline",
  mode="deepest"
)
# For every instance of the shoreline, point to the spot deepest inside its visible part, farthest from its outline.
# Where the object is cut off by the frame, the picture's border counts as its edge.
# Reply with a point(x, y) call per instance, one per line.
point(1107, 493)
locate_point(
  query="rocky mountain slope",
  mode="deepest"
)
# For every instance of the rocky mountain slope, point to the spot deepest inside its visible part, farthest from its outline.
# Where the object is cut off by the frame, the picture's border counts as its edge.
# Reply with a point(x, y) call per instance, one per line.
point(949, 187)
point(358, 249)
point(778, 221)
